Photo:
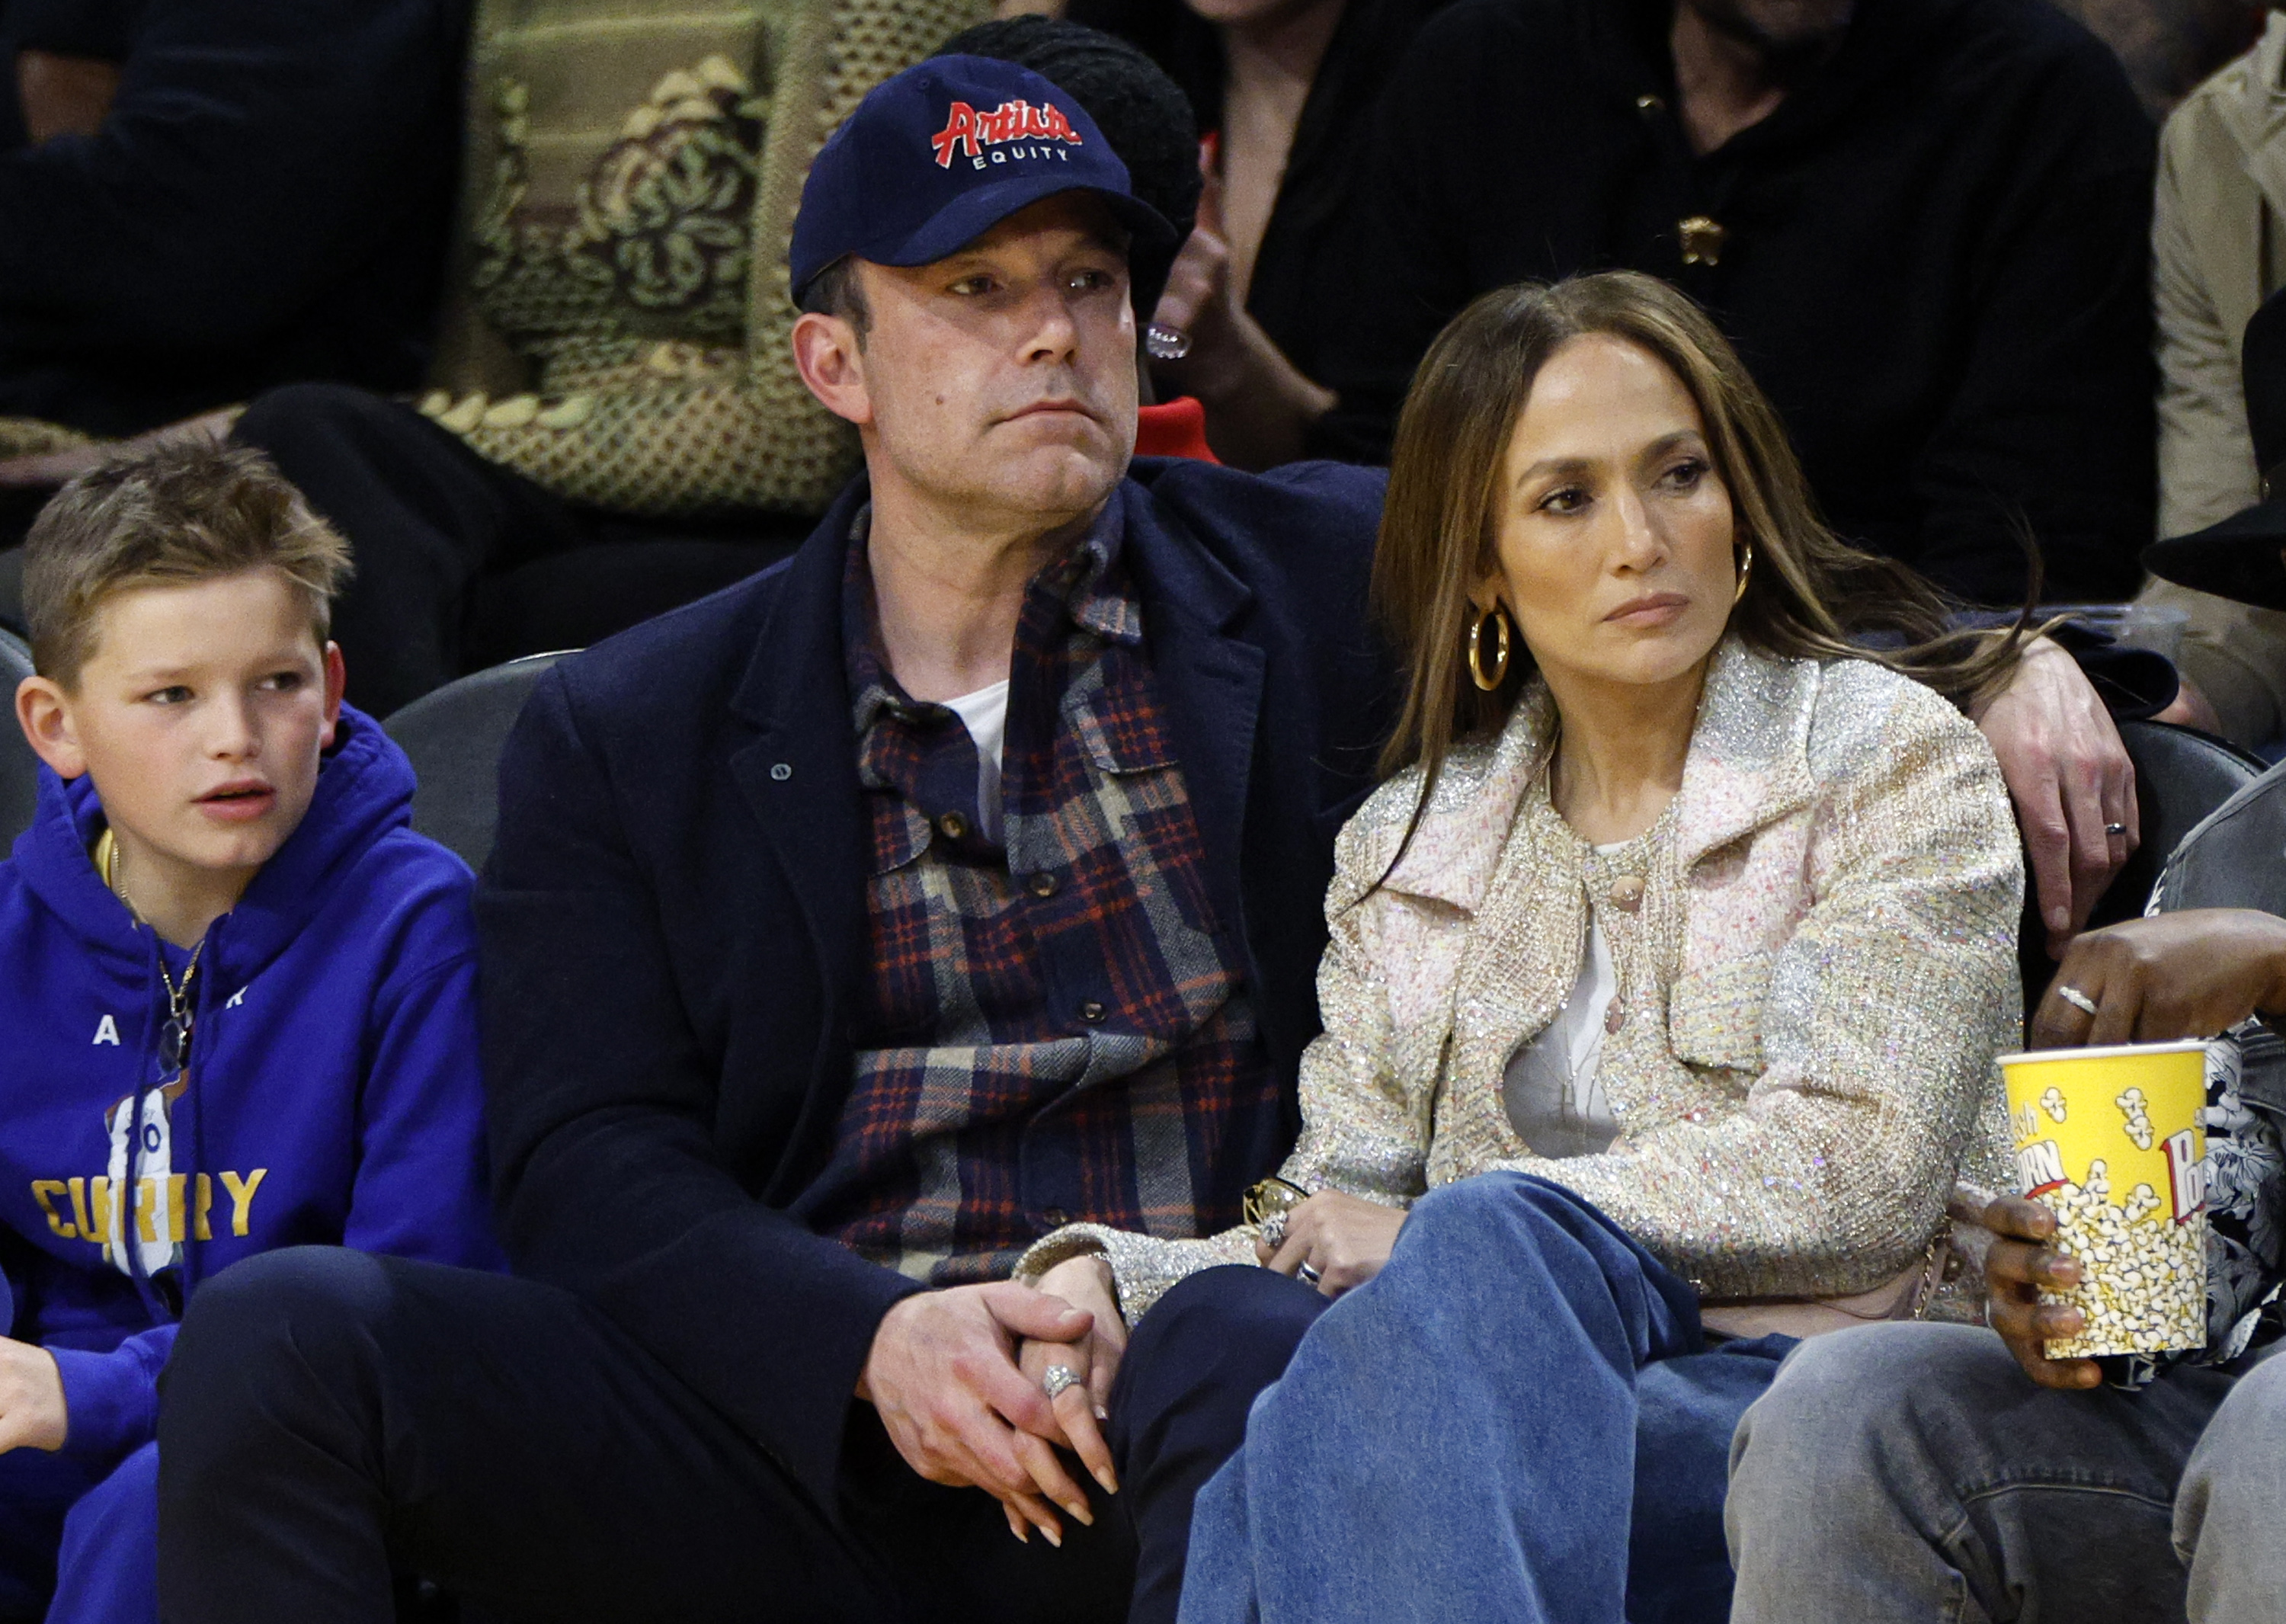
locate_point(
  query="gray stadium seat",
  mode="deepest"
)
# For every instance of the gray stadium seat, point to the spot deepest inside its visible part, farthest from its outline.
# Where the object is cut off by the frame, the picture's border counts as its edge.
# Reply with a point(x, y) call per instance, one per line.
point(19, 768)
point(454, 737)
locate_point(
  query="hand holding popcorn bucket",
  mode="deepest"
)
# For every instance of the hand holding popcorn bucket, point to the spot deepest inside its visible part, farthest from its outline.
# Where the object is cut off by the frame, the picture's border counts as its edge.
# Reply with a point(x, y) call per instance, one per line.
point(2110, 1141)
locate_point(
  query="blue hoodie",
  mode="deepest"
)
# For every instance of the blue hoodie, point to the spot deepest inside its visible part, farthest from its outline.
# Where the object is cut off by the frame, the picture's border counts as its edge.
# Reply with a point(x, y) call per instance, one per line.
point(333, 1095)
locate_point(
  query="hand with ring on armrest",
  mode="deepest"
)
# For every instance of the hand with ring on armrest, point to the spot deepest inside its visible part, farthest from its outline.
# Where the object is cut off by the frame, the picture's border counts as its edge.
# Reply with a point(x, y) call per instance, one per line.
point(2073, 786)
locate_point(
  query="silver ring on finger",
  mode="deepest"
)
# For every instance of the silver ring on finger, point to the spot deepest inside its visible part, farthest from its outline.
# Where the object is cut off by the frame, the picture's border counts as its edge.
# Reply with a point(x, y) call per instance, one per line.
point(2078, 999)
point(1057, 1378)
point(1274, 1231)
point(2118, 832)
point(1309, 1274)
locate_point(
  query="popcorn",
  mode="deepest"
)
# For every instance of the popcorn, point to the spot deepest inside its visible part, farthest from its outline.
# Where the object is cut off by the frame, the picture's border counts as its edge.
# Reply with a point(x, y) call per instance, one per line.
point(2132, 1104)
point(2144, 1278)
point(2053, 1103)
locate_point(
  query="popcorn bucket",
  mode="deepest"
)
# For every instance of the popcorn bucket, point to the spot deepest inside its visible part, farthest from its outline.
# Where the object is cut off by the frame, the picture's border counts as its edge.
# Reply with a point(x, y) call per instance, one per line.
point(2109, 1140)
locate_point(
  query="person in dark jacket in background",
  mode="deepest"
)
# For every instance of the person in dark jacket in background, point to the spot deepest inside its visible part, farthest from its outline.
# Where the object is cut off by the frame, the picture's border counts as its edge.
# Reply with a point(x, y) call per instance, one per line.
point(237, 991)
point(848, 930)
point(1924, 222)
point(265, 198)
point(1287, 95)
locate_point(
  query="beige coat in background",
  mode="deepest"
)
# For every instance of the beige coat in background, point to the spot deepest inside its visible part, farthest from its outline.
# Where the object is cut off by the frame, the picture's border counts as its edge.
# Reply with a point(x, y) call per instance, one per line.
point(2218, 249)
point(1817, 980)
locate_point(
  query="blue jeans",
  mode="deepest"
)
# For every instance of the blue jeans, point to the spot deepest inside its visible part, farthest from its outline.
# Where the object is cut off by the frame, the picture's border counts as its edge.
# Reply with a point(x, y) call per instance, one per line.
point(1913, 1472)
point(1515, 1420)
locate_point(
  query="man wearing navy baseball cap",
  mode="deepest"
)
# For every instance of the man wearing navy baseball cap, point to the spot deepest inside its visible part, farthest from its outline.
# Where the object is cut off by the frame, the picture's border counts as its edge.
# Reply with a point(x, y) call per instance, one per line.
point(857, 943)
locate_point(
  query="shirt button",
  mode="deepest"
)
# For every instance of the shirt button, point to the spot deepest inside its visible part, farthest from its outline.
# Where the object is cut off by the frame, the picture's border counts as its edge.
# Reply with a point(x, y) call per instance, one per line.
point(1056, 1217)
point(1614, 1018)
point(1628, 892)
point(1040, 884)
point(1090, 1012)
point(953, 825)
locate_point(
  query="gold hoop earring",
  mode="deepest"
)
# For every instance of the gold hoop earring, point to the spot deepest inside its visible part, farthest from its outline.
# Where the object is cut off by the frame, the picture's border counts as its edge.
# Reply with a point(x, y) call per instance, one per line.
point(1498, 619)
point(1746, 570)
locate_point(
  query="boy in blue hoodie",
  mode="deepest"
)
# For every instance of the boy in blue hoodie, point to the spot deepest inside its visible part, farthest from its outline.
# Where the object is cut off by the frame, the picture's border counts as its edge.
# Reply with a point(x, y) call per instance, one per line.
point(237, 991)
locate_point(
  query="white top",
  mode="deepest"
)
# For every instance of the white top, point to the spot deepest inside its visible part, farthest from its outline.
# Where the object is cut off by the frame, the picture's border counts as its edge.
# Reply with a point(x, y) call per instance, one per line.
point(985, 714)
point(1553, 1098)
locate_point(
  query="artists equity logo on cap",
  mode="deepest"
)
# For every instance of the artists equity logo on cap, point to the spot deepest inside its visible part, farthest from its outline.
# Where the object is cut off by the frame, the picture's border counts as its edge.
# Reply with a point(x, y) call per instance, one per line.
point(972, 131)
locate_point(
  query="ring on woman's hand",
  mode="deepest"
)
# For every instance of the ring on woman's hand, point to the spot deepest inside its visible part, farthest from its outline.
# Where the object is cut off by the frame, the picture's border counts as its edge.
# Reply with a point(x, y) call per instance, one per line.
point(1058, 1378)
point(1308, 1275)
point(2115, 830)
point(2078, 999)
point(1274, 1231)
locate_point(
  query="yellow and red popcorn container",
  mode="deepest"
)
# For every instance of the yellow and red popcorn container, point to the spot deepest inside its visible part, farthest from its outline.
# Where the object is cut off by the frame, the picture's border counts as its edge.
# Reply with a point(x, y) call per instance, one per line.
point(2110, 1141)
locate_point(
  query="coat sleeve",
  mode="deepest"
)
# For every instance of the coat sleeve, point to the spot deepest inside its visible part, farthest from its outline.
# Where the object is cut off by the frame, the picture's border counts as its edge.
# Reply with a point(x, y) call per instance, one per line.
point(1885, 1009)
point(1364, 1102)
point(602, 1109)
point(2206, 457)
point(420, 1190)
point(250, 154)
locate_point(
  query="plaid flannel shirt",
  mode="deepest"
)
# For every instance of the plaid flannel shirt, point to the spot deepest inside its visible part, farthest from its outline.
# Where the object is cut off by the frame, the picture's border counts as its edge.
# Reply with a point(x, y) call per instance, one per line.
point(1055, 1028)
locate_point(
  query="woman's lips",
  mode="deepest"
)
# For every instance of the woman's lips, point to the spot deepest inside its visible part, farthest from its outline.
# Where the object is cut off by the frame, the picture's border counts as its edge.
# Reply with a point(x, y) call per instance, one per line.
point(238, 803)
point(1652, 608)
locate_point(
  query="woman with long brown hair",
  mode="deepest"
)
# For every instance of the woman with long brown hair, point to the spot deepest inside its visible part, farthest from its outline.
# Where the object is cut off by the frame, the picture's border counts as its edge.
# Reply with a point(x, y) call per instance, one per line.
point(1666, 974)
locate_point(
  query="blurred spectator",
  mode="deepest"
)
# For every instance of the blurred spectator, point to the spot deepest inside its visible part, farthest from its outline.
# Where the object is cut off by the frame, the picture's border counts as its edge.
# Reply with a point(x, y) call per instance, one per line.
point(2219, 250)
point(256, 193)
point(1285, 90)
point(2168, 46)
point(1924, 222)
point(614, 369)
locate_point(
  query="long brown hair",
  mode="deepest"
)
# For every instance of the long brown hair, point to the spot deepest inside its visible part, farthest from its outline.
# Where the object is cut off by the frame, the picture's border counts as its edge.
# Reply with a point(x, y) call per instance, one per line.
point(1807, 593)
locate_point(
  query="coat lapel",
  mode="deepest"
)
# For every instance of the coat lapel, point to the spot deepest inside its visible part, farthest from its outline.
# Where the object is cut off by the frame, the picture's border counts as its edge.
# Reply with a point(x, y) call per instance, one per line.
point(1209, 676)
point(799, 773)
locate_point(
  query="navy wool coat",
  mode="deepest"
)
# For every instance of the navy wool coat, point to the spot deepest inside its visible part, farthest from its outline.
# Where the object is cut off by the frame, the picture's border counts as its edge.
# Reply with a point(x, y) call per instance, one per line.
point(673, 920)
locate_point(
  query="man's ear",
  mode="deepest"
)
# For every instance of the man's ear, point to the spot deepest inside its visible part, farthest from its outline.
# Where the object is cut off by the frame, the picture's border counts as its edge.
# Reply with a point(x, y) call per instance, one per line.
point(826, 352)
point(337, 682)
point(44, 711)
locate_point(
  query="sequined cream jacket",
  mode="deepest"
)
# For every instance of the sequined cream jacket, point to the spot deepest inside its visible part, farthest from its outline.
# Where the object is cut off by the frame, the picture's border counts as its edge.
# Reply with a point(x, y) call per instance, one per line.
point(1816, 954)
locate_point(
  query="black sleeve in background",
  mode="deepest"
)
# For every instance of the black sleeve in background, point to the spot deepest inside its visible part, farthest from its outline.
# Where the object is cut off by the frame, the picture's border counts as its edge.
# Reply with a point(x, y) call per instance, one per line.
point(258, 152)
point(1408, 235)
point(2054, 424)
point(99, 28)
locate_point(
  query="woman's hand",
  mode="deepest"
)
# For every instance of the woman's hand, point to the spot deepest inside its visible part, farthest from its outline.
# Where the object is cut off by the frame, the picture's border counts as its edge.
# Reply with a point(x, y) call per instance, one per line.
point(2187, 975)
point(1085, 1283)
point(1345, 1240)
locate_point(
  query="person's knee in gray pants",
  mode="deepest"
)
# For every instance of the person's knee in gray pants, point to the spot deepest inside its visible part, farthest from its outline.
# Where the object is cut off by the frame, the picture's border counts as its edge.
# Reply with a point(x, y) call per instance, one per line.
point(2230, 1515)
point(1913, 1471)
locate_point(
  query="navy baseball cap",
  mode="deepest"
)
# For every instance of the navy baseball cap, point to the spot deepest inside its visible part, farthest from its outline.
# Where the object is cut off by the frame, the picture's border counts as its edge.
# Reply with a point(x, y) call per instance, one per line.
point(939, 154)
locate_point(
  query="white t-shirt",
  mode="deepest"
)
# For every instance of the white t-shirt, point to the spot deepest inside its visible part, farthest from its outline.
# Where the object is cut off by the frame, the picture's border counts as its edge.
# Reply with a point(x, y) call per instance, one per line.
point(1554, 1098)
point(985, 714)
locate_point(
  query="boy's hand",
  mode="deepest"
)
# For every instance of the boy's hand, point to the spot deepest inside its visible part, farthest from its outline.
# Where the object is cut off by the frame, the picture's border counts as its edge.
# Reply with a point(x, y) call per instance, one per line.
point(31, 1413)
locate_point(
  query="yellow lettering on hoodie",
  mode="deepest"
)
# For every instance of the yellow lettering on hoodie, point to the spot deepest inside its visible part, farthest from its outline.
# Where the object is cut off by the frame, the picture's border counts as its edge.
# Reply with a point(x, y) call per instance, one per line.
point(98, 1200)
point(241, 1197)
point(205, 1206)
point(43, 1190)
